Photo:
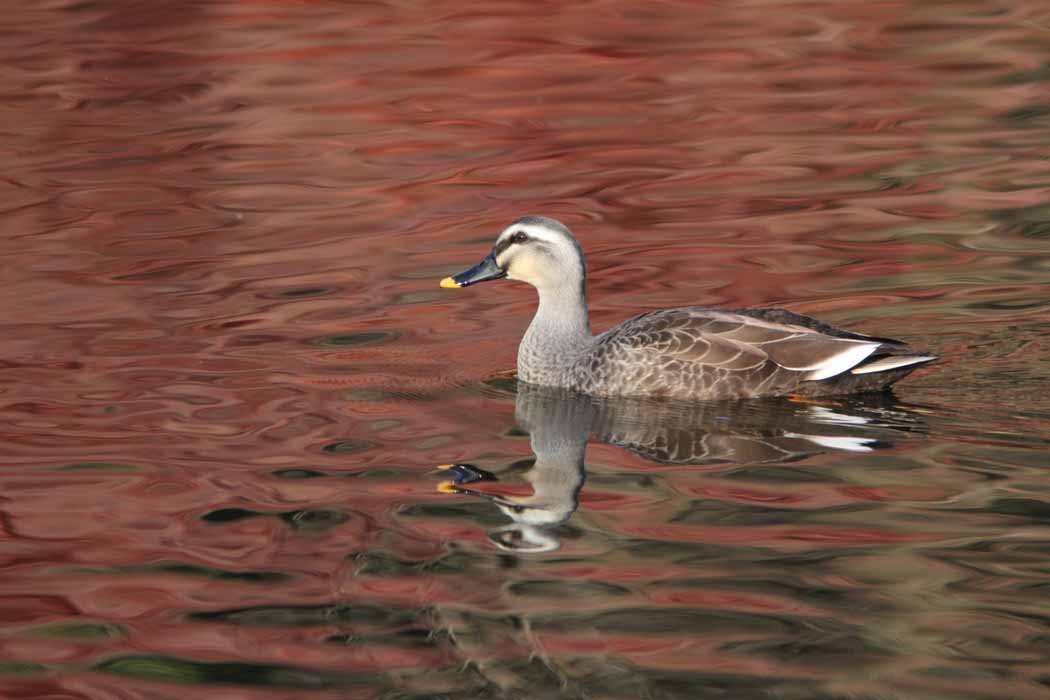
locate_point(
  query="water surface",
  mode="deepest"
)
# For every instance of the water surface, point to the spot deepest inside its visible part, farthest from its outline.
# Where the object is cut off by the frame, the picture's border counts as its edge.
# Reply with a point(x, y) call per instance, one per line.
point(227, 373)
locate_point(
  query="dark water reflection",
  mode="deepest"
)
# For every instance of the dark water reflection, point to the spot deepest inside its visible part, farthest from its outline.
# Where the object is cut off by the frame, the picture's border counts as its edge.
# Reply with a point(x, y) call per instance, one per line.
point(227, 372)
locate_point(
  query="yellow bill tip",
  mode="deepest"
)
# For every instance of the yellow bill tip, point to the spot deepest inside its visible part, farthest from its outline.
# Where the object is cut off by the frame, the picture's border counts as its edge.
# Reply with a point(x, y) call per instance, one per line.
point(445, 466)
point(447, 487)
point(449, 283)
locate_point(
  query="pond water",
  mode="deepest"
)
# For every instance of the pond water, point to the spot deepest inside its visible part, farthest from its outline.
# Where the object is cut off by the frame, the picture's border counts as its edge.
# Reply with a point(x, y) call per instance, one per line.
point(228, 375)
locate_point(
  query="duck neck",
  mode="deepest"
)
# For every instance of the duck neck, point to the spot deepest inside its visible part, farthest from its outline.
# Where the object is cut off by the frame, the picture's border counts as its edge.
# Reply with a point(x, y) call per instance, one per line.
point(559, 333)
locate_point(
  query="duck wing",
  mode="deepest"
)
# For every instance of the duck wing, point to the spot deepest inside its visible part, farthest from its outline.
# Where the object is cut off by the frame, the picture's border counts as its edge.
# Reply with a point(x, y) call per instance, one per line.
point(698, 352)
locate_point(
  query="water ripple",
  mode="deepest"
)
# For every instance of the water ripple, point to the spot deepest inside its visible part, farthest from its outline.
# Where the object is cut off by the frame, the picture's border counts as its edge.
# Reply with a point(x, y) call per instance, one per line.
point(227, 374)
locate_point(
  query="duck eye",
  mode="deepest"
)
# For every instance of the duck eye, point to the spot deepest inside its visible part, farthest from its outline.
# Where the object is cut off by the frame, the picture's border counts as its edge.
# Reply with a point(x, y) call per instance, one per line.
point(519, 237)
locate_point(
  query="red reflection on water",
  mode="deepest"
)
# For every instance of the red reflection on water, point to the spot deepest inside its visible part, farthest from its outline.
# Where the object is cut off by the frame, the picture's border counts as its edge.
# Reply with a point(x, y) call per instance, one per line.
point(226, 369)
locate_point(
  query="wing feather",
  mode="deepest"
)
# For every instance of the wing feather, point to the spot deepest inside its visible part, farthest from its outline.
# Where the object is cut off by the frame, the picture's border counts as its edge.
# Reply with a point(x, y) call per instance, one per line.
point(734, 342)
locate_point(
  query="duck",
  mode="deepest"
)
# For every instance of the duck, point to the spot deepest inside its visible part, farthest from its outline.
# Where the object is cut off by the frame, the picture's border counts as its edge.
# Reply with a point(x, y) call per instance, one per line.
point(692, 353)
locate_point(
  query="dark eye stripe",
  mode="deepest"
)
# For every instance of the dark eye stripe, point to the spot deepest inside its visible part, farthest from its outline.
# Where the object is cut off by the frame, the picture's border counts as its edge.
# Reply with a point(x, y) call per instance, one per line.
point(516, 237)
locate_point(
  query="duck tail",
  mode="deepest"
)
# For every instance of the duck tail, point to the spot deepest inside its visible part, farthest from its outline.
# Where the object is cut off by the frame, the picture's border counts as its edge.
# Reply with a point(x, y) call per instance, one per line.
point(883, 363)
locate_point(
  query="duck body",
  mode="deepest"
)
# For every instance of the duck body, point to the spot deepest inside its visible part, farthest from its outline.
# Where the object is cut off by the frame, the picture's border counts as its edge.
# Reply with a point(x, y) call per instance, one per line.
point(705, 354)
point(688, 353)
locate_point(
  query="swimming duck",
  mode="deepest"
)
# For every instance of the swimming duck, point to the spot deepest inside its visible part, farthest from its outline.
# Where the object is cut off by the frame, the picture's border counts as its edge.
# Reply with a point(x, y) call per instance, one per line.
point(690, 352)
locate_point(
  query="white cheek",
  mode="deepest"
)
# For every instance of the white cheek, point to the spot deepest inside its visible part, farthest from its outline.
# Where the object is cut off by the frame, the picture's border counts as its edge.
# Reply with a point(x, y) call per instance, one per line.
point(524, 268)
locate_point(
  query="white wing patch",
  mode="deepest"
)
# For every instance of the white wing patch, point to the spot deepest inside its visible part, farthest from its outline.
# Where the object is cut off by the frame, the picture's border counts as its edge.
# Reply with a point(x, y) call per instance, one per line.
point(841, 361)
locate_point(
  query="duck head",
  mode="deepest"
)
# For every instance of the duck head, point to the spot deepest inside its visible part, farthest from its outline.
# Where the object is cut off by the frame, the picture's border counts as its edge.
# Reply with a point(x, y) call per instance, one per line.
point(533, 249)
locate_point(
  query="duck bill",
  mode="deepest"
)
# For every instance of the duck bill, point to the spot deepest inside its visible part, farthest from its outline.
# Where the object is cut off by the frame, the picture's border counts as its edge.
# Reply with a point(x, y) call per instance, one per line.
point(487, 269)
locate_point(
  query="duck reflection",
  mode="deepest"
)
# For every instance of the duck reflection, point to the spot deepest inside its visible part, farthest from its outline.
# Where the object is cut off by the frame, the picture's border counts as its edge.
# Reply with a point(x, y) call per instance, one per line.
point(560, 422)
